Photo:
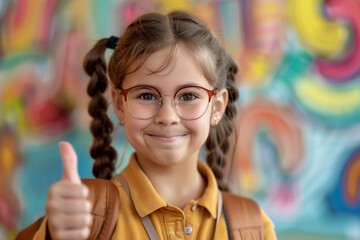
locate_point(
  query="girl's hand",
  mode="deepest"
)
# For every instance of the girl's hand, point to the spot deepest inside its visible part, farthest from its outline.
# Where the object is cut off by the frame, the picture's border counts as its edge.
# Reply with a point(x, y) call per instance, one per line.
point(67, 206)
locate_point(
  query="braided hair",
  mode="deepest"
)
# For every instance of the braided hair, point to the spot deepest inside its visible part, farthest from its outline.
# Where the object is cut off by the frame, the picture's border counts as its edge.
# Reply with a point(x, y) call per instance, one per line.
point(217, 144)
point(144, 36)
point(101, 126)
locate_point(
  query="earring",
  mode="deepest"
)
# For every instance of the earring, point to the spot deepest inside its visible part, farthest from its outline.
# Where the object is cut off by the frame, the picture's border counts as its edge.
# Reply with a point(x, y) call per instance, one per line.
point(216, 118)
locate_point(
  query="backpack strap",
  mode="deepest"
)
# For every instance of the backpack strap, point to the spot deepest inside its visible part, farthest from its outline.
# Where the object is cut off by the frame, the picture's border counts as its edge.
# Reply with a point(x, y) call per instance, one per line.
point(244, 217)
point(29, 231)
point(149, 227)
point(105, 201)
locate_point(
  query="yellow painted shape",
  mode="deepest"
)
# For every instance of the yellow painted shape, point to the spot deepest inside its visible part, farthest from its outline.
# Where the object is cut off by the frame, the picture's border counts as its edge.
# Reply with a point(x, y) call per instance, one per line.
point(327, 99)
point(80, 12)
point(7, 158)
point(266, 9)
point(248, 181)
point(324, 37)
point(22, 36)
point(168, 6)
point(259, 68)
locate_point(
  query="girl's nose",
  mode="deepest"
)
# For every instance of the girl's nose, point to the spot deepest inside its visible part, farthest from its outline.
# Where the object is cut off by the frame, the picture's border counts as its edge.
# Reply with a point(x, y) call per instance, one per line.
point(167, 115)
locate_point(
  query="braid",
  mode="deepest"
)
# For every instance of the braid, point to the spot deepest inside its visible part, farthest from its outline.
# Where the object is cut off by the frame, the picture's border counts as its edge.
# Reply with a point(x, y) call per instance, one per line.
point(217, 143)
point(101, 126)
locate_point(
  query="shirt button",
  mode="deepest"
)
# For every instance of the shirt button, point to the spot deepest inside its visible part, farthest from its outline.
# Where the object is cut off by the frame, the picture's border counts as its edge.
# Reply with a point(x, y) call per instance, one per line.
point(193, 208)
point(188, 230)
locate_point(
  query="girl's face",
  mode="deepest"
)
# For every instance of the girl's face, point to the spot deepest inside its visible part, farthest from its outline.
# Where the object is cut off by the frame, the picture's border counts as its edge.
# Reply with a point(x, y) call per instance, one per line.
point(166, 138)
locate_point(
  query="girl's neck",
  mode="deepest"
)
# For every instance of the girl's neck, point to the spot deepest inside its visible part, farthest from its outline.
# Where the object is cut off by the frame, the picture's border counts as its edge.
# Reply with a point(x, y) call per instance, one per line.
point(176, 184)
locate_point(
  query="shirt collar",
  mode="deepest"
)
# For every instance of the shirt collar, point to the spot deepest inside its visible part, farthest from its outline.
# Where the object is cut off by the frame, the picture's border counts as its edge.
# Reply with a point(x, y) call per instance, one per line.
point(141, 188)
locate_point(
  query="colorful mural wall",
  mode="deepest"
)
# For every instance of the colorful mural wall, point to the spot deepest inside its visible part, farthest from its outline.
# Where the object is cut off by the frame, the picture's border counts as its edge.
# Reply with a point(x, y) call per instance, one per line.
point(298, 130)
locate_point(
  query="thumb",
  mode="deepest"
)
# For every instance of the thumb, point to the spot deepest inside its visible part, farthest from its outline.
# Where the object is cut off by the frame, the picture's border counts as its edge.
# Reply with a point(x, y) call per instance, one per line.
point(69, 161)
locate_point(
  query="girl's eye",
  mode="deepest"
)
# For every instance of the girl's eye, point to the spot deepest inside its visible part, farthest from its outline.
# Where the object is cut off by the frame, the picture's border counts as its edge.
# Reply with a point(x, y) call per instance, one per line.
point(188, 97)
point(147, 97)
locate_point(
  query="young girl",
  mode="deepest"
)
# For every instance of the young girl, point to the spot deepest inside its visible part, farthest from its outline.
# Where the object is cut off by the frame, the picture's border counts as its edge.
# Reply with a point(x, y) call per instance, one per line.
point(173, 90)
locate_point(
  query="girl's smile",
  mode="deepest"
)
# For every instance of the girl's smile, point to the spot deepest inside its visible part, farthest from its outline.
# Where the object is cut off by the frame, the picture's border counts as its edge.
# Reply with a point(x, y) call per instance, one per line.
point(167, 139)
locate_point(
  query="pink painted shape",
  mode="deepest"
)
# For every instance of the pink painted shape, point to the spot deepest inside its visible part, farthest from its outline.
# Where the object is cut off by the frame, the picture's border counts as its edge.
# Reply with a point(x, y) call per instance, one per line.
point(342, 71)
point(20, 12)
point(129, 12)
point(8, 212)
point(49, 8)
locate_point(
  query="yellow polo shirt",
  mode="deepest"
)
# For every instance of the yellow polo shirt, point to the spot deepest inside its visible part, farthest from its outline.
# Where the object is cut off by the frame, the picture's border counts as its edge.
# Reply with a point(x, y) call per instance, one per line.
point(196, 221)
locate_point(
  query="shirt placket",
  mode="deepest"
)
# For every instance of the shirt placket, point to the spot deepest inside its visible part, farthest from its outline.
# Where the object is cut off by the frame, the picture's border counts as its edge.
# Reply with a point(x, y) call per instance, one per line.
point(174, 221)
point(192, 219)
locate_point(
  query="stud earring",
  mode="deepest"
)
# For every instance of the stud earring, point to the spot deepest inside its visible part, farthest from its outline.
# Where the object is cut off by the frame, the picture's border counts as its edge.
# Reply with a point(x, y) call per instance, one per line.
point(216, 118)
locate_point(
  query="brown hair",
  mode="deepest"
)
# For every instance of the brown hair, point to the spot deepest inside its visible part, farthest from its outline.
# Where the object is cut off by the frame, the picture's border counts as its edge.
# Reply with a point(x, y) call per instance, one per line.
point(145, 35)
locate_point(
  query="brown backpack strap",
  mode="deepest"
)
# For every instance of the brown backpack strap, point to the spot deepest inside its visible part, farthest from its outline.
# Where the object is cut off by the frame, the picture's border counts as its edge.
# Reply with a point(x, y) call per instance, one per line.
point(244, 217)
point(105, 200)
point(104, 196)
point(29, 231)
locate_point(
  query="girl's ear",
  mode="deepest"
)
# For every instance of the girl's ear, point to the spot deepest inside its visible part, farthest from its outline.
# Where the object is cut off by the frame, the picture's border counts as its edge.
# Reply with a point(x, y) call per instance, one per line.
point(219, 106)
point(118, 106)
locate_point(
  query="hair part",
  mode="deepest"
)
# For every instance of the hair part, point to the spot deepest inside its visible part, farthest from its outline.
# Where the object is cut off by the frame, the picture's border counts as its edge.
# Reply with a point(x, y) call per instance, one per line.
point(144, 36)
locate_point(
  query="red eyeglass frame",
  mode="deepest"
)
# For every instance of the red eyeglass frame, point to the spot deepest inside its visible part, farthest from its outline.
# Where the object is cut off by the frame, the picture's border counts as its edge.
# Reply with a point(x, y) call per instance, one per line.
point(124, 92)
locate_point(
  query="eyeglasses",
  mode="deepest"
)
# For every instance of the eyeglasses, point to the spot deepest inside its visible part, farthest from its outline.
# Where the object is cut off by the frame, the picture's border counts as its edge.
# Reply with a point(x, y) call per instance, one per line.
point(189, 102)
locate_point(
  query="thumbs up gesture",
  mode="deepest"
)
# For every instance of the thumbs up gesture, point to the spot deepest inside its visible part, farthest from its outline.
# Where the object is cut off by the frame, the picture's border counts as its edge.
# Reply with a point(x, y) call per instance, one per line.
point(67, 206)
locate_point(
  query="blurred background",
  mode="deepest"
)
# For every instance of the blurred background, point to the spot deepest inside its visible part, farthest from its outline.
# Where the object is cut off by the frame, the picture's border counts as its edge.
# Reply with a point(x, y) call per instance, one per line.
point(297, 145)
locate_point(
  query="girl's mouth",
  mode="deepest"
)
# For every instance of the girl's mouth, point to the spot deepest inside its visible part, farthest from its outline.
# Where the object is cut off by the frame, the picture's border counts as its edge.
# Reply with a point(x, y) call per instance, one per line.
point(167, 139)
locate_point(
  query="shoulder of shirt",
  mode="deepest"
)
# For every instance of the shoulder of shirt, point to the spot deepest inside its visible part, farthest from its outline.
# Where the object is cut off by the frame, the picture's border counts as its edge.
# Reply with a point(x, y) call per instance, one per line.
point(269, 228)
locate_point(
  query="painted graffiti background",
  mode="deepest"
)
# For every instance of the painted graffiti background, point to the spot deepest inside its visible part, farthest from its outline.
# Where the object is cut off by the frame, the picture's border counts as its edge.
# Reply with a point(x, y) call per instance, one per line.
point(298, 132)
